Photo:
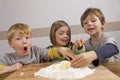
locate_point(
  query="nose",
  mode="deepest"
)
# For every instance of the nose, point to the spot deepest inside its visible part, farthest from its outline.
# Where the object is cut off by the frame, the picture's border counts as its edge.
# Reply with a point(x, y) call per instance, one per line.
point(65, 35)
point(24, 40)
point(89, 23)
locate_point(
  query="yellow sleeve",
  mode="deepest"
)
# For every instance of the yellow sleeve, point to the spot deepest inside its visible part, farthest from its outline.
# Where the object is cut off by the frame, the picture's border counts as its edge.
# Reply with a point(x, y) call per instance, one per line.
point(53, 54)
point(1, 66)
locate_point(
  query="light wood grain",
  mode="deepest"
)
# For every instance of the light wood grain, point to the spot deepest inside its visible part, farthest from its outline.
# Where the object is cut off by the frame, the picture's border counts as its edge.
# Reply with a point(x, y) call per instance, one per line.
point(113, 67)
point(101, 73)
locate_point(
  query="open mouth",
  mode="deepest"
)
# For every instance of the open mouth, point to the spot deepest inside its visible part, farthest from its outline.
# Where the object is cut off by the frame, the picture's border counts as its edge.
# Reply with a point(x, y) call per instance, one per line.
point(65, 41)
point(90, 29)
point(25, 48)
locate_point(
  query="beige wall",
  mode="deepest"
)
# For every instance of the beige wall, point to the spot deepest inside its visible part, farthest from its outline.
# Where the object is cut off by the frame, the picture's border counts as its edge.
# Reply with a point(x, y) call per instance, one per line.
point(76, 29)
point(41, 36)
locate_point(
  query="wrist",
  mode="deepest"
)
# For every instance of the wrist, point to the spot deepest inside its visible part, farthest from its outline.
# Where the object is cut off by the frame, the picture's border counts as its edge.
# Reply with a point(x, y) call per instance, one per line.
point(59, 51)
point(94, 55)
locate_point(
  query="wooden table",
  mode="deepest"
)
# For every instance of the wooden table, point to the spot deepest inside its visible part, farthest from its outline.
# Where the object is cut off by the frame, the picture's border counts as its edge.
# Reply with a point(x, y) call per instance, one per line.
point(113, 67)
point(110, 71)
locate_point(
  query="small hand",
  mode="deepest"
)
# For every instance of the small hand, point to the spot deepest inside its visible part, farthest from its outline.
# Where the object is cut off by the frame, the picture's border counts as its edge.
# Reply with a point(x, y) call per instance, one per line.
point(17, 65)
point(83, 59)
point(11, 68)
point(66, 53)
point(79, 43)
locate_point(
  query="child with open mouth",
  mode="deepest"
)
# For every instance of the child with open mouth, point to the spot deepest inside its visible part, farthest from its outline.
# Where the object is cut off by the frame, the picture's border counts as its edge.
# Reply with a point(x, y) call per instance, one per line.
point(20, 39)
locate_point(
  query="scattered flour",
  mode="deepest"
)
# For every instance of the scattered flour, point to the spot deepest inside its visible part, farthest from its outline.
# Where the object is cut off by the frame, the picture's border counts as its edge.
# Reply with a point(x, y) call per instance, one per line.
point(62, 70)
point(22, 73)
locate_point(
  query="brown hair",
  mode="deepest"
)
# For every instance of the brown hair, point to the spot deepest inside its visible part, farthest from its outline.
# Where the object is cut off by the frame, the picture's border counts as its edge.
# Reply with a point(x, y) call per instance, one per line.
point(54, 27)
point(18, 27)
point(92, 11)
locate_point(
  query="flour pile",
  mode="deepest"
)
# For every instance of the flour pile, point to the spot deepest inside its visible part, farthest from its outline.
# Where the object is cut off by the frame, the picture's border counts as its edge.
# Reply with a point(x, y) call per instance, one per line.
point(62, 70)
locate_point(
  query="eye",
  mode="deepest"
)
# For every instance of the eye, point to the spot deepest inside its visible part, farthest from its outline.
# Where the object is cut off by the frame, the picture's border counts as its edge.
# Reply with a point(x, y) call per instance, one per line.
point(93, 20)
point(27, 37)
point(68, 33)
point(18, 38)
point(84, 22)
point(61, 33)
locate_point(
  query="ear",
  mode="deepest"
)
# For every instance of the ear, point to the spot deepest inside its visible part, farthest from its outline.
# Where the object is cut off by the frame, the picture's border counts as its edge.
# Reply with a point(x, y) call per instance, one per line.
point(103, 24)
point(10, 44)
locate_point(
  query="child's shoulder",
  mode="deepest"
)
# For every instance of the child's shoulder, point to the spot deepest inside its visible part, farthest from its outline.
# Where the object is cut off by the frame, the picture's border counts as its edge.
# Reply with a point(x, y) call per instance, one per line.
point(51, 46)
point(36, 47)
point(10, 54)
point(8, 57)
point(107, 36)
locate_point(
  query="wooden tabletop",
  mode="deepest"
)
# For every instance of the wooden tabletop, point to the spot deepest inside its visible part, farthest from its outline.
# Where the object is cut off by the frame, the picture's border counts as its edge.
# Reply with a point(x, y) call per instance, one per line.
point(110, 71)
point(113, 67)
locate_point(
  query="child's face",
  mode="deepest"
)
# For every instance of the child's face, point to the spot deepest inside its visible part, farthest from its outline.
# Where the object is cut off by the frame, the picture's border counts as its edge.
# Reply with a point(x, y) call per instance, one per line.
point(62, 36)
point(21, 43)
point(92, 25)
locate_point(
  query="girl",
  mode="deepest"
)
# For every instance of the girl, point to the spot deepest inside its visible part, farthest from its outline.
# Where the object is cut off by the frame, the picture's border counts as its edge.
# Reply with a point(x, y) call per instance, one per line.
point(60, 36)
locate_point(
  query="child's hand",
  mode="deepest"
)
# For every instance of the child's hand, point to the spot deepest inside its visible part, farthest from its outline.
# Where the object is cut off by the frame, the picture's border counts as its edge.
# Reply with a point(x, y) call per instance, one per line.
point(16, 66)
point(66, 53)
point(84, 59)
point(11, 68)
point(79, 43)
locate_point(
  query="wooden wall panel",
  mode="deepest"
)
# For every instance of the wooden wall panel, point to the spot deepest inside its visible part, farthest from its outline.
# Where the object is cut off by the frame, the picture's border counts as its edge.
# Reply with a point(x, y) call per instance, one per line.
point(76, 29)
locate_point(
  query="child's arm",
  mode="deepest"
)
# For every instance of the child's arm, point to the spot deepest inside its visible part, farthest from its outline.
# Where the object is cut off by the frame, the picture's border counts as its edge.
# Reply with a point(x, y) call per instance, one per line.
point(104, 52)
point(95, 57)
point(83, 60)
point(5, 69)
point(61, 53)
point(66, 53)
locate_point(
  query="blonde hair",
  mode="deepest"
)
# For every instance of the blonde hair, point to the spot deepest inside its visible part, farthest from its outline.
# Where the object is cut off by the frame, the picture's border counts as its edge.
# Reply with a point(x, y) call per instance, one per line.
point(18, 27)
point(54, 27)
point(92, 11)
